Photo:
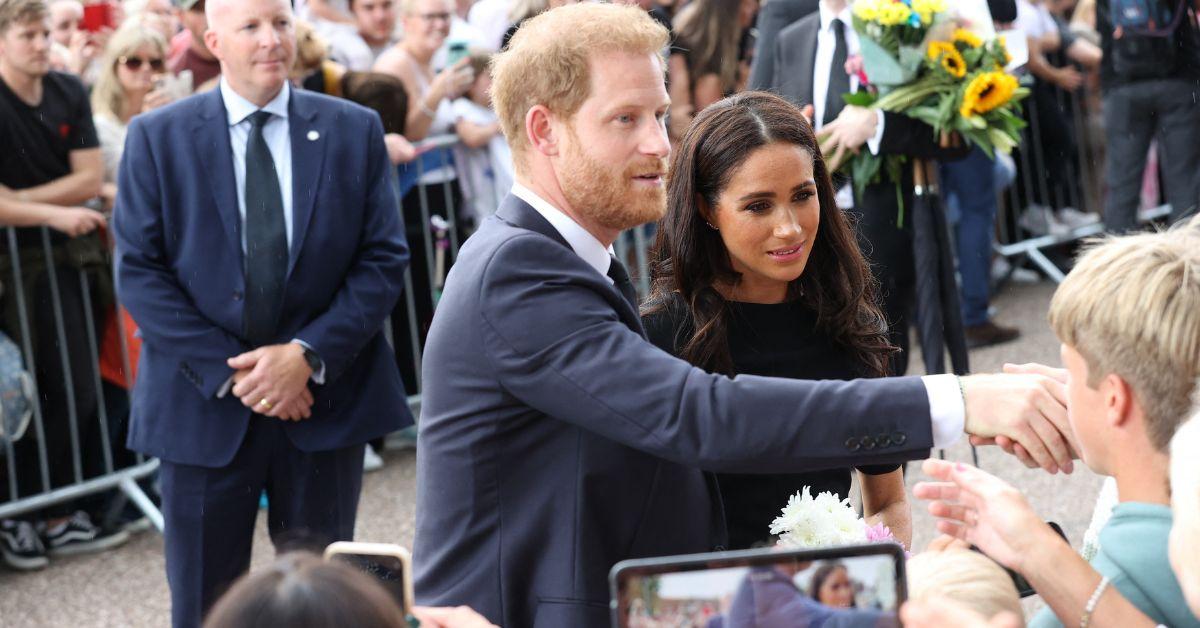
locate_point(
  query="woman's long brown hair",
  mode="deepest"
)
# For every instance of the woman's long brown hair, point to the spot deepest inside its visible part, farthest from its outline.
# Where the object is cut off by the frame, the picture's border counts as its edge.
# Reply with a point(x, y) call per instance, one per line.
point(689, 258)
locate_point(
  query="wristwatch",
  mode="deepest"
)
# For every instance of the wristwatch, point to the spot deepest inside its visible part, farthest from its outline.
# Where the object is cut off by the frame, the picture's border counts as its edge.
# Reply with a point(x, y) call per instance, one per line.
point(314, 361)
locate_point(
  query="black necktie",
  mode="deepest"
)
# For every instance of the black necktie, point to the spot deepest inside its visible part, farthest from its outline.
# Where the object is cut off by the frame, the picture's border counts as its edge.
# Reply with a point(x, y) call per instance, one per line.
point(266, 238)
point(839, 81)
point(620, 277)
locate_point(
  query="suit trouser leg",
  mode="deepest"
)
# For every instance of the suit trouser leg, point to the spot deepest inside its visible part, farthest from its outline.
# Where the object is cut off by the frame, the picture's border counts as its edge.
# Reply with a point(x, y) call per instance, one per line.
point(313, 496)
point(209, 524)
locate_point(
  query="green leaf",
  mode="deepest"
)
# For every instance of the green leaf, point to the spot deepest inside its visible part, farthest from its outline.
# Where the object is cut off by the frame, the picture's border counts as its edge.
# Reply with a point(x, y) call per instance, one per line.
point(861, 98)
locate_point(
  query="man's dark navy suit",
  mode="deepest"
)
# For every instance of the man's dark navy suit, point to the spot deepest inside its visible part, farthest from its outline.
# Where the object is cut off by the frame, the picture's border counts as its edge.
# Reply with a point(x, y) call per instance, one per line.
point(180, 273)
point(556, 440)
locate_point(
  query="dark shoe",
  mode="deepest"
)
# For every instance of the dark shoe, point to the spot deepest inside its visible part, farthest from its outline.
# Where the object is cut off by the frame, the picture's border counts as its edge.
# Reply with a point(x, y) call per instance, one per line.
point(988, 334)
point(20, 545)
point(78, 535)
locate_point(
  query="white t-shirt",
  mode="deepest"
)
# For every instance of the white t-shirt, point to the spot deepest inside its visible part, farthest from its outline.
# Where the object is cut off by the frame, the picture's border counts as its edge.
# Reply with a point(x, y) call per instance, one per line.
point(348, 48)
point(490, 17)
point(111, 133)
point(485, 174)
point(1034, 20)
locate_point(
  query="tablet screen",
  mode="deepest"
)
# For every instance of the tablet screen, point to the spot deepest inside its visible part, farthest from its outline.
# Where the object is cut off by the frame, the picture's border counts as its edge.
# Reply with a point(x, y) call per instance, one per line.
point(787, 592)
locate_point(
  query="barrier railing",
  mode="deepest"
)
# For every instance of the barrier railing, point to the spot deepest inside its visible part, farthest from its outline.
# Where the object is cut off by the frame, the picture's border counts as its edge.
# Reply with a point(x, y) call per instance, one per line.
point(58, 304)
point(1056, 182)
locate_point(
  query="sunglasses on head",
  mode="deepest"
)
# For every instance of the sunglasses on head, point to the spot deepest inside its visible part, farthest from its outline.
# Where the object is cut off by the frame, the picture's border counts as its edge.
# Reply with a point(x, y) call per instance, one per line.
point(133, 64)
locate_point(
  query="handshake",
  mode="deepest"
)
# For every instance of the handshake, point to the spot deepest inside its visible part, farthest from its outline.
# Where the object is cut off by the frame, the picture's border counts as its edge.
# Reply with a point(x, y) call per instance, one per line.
point(273, 381)
point(1024, 411)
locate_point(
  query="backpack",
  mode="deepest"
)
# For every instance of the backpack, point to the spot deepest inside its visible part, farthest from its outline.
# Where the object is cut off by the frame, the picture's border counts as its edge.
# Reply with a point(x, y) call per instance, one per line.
point(16, 392)
point(1144, 40)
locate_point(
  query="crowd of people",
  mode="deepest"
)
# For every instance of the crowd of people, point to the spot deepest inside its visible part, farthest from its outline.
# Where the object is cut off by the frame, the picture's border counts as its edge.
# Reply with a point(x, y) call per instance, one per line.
point(323, 146)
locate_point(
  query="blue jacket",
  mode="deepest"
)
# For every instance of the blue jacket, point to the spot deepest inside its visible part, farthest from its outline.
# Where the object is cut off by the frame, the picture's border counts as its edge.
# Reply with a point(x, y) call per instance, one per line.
point(557, 441)
point(179, 272)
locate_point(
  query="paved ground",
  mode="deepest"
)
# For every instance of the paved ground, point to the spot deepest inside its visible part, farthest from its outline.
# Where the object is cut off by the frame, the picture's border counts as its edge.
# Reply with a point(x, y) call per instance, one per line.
point(126, 587)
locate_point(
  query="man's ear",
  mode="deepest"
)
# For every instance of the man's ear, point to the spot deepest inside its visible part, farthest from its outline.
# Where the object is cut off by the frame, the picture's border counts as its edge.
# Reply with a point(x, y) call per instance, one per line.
point(210, 42)
point(540, 130)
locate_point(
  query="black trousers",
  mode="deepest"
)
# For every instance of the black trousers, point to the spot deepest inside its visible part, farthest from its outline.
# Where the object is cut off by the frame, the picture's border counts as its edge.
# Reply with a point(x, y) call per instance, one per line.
point(210, 513)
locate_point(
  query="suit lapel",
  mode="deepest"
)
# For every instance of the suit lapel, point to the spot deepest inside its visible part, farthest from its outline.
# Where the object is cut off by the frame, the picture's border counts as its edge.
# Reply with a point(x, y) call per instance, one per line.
point(808, 58)
point(213, 151)
point(308, 138)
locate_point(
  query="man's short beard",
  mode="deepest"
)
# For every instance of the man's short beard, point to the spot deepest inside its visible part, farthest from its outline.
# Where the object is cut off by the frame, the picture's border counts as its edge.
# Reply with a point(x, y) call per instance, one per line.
point(605, 195)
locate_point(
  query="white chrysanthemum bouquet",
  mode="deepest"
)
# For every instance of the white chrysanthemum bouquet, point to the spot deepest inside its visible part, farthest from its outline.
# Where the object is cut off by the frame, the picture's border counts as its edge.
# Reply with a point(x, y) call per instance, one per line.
point(823, 521)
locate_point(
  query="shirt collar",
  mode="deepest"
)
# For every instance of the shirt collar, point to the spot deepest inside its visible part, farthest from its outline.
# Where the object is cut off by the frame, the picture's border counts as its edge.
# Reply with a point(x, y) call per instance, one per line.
point(583, 243)
point(238, 108)
point(827, 17)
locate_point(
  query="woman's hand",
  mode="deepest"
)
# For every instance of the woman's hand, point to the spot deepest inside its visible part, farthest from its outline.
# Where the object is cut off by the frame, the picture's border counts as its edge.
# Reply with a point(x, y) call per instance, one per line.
point(158, 97)
point(983, 510)
point(400, 150)
point(453, 81)
point(74, 221)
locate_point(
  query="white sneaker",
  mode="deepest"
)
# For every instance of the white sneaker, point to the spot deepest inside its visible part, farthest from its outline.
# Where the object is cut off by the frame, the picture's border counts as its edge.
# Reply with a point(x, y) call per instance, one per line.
point(371, 460)
point(1038, 220)
point(1074, 219)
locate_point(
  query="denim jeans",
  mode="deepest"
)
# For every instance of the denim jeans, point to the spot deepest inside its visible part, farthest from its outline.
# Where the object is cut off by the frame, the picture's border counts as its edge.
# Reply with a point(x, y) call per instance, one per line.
point(969, 190)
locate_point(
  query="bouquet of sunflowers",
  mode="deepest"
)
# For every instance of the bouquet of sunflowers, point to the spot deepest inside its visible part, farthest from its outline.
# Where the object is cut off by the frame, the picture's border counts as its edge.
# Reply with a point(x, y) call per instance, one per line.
point(916, 62)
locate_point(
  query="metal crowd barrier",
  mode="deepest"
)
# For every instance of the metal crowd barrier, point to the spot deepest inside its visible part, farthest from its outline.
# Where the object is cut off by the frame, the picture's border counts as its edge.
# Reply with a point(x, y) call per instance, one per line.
point(41, 276)
point(1081, 187)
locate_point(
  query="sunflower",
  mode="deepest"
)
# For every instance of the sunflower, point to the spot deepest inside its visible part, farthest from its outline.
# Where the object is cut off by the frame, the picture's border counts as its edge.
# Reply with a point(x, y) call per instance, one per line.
point(986, 92)
point(867, 10)
point(953, 64)
point(967, 38)
point(938, 48)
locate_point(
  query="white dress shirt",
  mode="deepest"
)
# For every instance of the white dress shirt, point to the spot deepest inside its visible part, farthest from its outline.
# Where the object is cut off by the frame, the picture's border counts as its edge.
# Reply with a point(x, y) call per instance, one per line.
point(826, 43)
point(279, 143)
point(947, 409)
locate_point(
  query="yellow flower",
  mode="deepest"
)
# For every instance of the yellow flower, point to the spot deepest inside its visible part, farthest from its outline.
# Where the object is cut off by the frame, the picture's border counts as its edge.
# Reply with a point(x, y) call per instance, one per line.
point(986, 92)
point(867, 10)
point(894, 14)
point(953, 64)
point(938, 48)
point(927, 9)
point(964, 36)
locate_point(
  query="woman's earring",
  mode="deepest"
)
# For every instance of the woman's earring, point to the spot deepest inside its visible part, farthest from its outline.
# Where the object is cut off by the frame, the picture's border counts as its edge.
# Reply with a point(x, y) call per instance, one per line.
point(710, 226)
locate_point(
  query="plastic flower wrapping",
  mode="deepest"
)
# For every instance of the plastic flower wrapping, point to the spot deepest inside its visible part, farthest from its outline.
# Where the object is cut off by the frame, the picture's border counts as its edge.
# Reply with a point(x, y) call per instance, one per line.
point(923, 62)
point(824, 521)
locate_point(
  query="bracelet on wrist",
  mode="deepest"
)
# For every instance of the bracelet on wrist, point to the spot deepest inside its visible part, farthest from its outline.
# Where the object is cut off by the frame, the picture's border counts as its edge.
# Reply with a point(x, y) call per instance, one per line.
point(1092, 602)
point(430, 113)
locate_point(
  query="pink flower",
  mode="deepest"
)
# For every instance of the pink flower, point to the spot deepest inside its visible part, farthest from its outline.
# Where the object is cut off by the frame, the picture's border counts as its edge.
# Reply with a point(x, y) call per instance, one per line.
point(879, 533)
point(854, 67)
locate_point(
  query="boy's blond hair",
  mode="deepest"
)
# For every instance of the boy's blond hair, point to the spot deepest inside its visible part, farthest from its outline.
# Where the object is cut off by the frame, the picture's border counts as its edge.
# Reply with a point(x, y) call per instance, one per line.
point(547, 61)
point(966, 577)
point(1131, 307)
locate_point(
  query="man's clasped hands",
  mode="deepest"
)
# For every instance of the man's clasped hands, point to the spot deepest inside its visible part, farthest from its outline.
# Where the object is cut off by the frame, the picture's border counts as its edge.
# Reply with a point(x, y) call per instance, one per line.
point(273, 381)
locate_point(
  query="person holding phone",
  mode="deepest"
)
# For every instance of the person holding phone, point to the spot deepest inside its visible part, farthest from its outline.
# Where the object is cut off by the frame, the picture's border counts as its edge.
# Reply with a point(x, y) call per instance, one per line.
point(131, 81)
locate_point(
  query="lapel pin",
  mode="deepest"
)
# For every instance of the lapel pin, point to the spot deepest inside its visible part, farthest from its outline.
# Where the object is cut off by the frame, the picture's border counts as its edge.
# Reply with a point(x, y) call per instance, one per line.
point(313, 136)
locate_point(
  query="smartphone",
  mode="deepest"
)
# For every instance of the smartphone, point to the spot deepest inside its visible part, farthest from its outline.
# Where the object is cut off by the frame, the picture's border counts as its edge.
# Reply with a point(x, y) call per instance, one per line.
point(765, 588)
point(389, 564)
point(456, 52)
point(97, 17)
point(1024, 589)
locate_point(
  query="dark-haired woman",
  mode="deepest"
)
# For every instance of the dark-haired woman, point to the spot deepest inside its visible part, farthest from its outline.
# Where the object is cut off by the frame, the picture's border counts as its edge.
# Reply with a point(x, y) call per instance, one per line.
point(757, 272)
point(831, 585)
point(709, 57)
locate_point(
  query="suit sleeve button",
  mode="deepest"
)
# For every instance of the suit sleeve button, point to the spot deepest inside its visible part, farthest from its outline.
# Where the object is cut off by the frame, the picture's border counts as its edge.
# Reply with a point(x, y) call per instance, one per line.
point(852, 444)
point(883, 440)
point(899, 437)
point(867, 442)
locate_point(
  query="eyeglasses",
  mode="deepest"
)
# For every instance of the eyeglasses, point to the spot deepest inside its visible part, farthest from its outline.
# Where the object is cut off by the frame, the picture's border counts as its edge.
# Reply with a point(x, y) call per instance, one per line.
point(434, 17)
point(133, 64)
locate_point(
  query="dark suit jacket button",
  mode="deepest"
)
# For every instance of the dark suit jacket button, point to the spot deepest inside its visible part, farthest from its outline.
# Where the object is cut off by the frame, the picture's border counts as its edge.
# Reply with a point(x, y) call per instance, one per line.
point(237, 295)
point(883, 440)
point(852, 444)
point(868, 442)
point(898, 438)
